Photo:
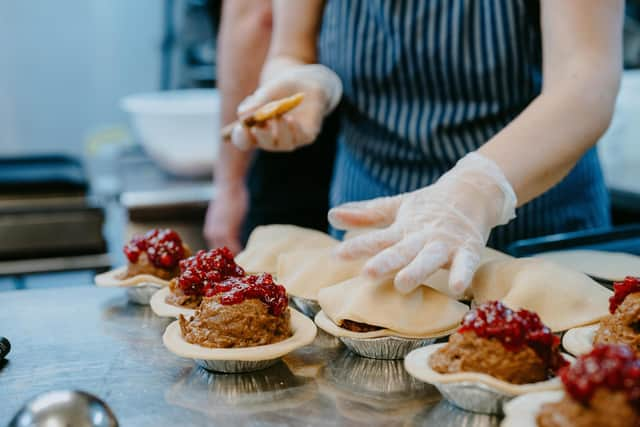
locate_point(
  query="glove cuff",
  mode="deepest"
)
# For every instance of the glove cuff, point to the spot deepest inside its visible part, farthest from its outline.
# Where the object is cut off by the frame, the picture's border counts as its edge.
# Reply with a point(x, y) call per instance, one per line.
point(330, 83)
point(286, 67)
point(484, 167)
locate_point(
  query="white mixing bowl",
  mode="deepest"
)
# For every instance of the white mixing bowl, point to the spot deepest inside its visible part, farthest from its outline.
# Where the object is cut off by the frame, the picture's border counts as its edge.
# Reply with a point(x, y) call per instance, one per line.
point(179, 129)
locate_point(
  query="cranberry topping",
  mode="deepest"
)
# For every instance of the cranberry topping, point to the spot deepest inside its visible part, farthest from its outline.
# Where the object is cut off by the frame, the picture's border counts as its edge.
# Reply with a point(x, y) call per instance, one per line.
point(235, 290)
point(163, 247)
point(515, 329)
point(614, 367)
point(621, 290)
point(206, 269)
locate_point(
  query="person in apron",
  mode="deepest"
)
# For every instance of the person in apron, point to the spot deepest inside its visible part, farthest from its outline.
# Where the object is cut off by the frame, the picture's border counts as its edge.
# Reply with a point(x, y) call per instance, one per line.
point(249, 185)
point(453, 114)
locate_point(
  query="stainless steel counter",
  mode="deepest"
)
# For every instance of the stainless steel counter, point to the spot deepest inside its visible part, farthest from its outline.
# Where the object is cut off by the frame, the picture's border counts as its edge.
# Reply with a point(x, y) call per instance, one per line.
point(92, 339)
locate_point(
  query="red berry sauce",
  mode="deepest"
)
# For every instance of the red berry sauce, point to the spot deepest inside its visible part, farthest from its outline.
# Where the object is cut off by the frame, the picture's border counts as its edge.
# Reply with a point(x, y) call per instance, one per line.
point(163, 247)
point(237, 289)
point(515, 330)
point(614, 367)
point(204, 270)
point(621, 290)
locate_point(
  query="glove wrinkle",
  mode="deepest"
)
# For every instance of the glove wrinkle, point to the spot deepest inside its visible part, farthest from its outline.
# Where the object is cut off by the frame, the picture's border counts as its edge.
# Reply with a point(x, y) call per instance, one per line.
point(445, 224)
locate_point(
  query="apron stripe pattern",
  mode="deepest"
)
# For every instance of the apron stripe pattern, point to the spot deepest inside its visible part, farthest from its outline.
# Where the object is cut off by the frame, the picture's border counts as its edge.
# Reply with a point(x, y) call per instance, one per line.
point(426, 82)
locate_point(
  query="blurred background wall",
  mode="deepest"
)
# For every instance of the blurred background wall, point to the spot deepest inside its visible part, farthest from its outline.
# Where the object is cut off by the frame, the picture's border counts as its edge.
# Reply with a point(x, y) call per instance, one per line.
point(65, 64)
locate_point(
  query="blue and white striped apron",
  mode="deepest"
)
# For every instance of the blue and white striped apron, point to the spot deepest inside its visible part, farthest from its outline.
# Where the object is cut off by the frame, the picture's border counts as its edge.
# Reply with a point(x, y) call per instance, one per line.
point(427, 81)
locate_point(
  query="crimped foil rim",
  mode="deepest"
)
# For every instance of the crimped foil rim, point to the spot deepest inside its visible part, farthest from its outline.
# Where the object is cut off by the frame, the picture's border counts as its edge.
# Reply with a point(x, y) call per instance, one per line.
point(162, 309)
point(523, 410)
point(579, 341)
point(305, 299)
point(142, 293)
point(327, 325)
point(304, 332)
point(417, 364)
point(111, 279)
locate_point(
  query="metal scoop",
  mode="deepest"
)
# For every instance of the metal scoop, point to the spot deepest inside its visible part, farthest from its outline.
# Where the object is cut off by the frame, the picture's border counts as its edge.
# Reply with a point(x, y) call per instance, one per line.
point(65, 409)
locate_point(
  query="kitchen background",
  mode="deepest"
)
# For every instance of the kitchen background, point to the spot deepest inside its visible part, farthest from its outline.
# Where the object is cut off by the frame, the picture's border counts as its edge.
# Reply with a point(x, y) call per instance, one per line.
point(65, 68)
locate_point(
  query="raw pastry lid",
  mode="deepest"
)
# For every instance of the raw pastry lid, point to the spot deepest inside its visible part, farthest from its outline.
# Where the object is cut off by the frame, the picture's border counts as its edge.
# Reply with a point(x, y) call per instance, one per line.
point(563, 298)
point(422, 312)
point(161, 308)
point(331, 328)
point(115, 279)
point(304, 332)
point(417, 364)
point(267, 242)
point(614, 266)
point(304, 272)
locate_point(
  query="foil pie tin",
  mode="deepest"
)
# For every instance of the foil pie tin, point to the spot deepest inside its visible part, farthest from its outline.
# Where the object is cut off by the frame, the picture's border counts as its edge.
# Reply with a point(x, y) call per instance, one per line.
point(472, 391)
point(247, 359)
point(381, 344)
point(142, 293)
point(386, 348)
point(235, 366)
point(306, 306)
point(474, 397)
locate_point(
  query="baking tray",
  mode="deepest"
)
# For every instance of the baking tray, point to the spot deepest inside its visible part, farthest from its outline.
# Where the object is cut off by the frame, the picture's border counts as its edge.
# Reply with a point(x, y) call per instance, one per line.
point(25, 176)
point(612, 239)
point(55, 233)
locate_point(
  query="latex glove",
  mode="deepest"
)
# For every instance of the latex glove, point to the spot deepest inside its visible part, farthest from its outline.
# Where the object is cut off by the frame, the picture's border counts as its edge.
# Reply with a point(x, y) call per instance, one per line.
point(225, 216)
point(284, 77)
point(443, 225)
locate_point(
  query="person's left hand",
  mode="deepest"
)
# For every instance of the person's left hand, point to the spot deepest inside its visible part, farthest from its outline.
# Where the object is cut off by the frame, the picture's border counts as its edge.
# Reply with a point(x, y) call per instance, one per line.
point(444, 224)
point(283, 77)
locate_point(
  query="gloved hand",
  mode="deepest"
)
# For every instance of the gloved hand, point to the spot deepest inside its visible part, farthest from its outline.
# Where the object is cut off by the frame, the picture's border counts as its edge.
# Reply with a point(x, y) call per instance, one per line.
point(282, 77)
point(443, 225)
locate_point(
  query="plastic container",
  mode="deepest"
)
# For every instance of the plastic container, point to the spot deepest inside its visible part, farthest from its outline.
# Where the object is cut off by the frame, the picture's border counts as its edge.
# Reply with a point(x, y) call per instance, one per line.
point(180, 130)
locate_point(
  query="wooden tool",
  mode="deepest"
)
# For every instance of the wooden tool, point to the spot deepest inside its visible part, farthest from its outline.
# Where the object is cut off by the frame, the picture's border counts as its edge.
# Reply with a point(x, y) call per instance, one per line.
point(268, 111)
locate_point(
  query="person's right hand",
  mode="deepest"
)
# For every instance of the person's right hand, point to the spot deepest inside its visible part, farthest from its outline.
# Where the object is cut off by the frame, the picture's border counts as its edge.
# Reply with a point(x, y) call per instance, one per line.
point(225, 216)
point(322, 91)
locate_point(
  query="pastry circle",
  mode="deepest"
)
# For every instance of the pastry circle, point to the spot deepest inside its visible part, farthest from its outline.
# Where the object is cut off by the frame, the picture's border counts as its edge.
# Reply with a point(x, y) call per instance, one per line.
point(161, 308)
point(304, 332)
point(113, 279)
point(327, 325)
point(417, 364)
point(614, 266)
point(562, 297)
point(578, 341)
point(523, 410)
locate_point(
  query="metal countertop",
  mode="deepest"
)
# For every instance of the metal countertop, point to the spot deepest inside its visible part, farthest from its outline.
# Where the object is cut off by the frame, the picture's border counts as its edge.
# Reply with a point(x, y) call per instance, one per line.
point(93, 339)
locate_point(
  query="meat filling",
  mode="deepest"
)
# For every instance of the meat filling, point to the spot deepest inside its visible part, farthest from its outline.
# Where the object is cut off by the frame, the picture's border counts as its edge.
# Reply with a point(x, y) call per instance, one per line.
point(466, 352)
point(178, 298)
point(246, 324)
point(622, 327)
point(357, 326)
point(144, 266)
point(606, 409)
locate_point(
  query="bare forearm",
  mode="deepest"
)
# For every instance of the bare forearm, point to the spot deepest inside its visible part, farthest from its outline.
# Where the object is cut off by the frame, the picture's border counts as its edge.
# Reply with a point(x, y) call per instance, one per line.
point(296, 27)
point(582, 65)
point(243, 43)
point(540, 147)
